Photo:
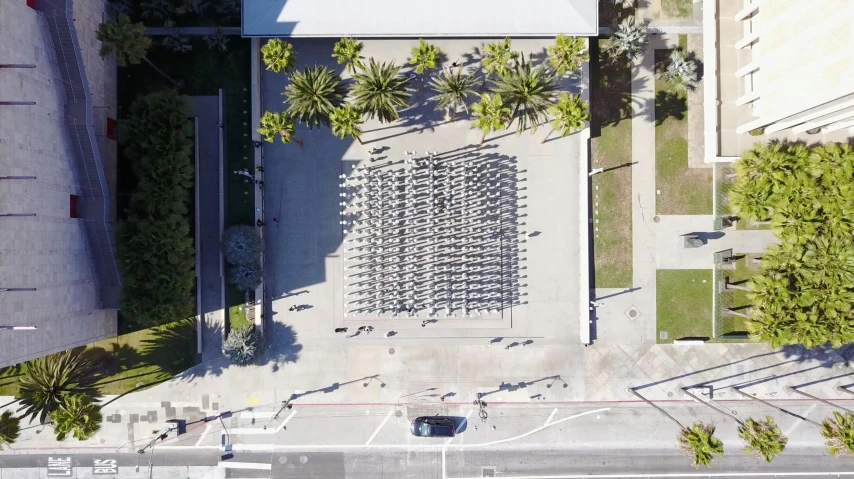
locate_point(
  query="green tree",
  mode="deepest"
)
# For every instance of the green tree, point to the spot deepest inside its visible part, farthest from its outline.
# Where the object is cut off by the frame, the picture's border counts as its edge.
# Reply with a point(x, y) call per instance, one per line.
point(424, 57)
point(529, 92)
point(278, 56)
point(567, 54)
point(496, 58)
point(77, 415)
point(349, 51)
point(47, 381)
point(699, 443)
point(568, 113)
point(380, 91)
point(452, 88)
point(628, 38)
point(763, 439)
point(10, 428)
point(242, 244)
point(155, 249)
point(128, 41)
point(681, 72)
point(246, 276)
point(491, 114)
point(273, 124)
point(347, 121)
point(242, 345)
point(313, 95)
point(838, 432)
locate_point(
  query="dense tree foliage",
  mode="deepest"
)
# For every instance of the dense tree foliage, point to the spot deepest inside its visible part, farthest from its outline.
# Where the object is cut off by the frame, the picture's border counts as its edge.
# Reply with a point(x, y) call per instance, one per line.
point(762, 438)
point(699, 443)
point(49, 380)
point(77, 415)
point(156, 252)
point(805, 293)
point(243, 345)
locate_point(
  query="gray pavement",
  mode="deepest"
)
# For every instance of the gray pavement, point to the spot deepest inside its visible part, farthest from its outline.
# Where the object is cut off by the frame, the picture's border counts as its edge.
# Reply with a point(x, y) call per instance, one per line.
point(209, 217)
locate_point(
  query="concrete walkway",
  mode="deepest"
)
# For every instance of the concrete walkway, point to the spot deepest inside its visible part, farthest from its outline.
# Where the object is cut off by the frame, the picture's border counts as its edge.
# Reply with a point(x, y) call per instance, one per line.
point(209, 225)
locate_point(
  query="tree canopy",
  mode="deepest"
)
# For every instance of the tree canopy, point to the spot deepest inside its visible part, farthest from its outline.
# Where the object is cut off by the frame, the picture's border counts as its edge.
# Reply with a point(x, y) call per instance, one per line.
point(805, 292)
point(155, 250)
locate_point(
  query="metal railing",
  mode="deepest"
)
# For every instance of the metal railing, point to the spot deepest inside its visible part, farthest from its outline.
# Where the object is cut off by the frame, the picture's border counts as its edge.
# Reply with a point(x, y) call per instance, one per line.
point(95, 203)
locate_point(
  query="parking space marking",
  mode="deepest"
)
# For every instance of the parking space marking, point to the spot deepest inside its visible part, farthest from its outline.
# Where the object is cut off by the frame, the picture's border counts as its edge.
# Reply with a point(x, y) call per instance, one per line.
point(462, 423)
point(285, 422)
point(246, 465)
point(377, 431)
point(204, 434)
point(550, 417)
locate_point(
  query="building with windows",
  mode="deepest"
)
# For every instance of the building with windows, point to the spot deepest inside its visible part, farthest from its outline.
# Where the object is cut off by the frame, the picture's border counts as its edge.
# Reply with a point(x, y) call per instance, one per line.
point(57, 166)
point(782, 70)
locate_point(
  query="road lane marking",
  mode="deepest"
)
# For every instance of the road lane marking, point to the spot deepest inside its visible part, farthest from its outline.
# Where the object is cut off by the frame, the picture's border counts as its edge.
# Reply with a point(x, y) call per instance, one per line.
point(204, 433)
point(462, 423)
point(550, 417)
point(520, 436)
point(377, 431)
point(285, 422)
point(245, 465)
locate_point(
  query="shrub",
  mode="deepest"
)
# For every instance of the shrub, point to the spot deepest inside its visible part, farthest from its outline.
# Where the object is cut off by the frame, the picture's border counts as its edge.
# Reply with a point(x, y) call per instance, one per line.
point(49, 380)
point(242, 244)
point(242, 345)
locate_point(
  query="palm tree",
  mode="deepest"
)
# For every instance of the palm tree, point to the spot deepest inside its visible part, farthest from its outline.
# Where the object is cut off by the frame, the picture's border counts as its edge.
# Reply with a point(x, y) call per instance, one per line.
point(681, 72)
point(177, 43)
point(246, 276)
point(273, 124)
point(699, 443)
point(10, 428)
point(48, 380)
point(452, 88)
point(491, 114)
point(569, 113)
point(242, 244)
point(349, 51)
point(77, 415)
point(218, 41)
point(628, 38)
point(279, 55)
point(379, 91)
point(838, 432)
point(347, 121)
point(762, 438)
point(567, 54)
point(313, 95)
point(497, 57)
point(424, 57)
point(128, 41)
point(242, 345)
point(528, 92)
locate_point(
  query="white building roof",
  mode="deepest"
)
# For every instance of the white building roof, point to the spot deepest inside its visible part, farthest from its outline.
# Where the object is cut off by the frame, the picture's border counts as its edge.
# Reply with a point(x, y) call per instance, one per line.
point(424, 18)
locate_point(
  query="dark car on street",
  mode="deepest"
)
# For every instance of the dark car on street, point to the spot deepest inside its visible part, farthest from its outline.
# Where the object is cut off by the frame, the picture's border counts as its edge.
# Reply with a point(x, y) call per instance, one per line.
point(434, 426)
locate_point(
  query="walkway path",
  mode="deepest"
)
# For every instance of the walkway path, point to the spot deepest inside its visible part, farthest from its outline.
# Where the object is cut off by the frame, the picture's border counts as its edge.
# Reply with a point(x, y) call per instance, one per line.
point(209, 224)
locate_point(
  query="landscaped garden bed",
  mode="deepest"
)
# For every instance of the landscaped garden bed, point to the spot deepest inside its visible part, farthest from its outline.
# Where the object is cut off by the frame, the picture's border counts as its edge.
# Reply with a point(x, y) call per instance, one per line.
point(683, 304)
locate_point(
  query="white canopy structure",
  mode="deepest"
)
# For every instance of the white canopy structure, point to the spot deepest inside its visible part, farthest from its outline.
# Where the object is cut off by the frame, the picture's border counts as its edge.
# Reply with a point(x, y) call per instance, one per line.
point(408, 18)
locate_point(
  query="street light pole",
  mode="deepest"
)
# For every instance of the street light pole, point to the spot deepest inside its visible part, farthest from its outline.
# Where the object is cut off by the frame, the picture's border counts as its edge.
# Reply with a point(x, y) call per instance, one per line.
point(18, 328)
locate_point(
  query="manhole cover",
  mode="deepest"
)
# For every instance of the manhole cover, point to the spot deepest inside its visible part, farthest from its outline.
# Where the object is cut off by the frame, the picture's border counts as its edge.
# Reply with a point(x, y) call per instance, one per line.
point(412, 454)
point(487, 472)
point(398, 413)
point(633, 313)
point(103, 440)
point(391, 350)
point(656, 219)
point(662, 335)
point(283, 459)
point(670, 394)
point(303, 459)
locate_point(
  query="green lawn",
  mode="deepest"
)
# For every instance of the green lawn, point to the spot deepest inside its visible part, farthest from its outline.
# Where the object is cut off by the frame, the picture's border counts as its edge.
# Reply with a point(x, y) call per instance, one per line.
point(684, 191)
point(677, 8)
point(683, 303)
point(236, 316)
point(611, 191)
point(132, 361)
point(744, 270)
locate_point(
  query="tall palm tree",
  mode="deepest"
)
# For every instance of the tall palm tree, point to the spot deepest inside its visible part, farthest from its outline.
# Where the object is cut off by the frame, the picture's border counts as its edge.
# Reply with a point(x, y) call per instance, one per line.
point(77, 415)
point(347, 121)
point(497, 57)
point(273, 124)
point(10, 428)
point(763, 439)
point(48, 380)
point(838, 432)
point(681, 72)
point(567, 54)
point(568, 113)
point(491, 114)
point(424, 56)
point(313, 94)
point(452, 88)
point(699, 443)
point(528, 92)
point(279, 55)
point(128, 41)
point(349, 51)
point(628, 38)
point(379, 91)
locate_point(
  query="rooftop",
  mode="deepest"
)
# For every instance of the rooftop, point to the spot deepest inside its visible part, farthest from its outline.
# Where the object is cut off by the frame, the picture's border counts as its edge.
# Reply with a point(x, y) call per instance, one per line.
point(438, 18)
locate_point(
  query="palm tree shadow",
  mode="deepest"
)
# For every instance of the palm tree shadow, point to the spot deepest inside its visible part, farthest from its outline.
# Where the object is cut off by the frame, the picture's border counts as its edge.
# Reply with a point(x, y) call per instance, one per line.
point(281, 345)
point(168, 348)
point(611, 99)
point(669, 105)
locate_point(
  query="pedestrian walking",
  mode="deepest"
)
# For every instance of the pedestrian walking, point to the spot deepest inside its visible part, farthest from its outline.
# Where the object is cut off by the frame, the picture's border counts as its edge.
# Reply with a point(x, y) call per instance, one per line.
point(362, 328)
point(424, 323)
point(259, 223)
point(507, 348)
point(292, 308)
point(259, 168)
point(340, 330)
point(276, 220)
point(442, 398)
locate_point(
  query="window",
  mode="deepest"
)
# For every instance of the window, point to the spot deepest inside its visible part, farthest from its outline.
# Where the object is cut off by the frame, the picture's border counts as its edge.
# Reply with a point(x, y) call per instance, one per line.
point(111, 128)
point(73, 212)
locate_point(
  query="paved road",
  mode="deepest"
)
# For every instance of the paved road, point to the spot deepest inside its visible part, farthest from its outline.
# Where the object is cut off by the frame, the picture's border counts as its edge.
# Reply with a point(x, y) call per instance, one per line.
point(380, 464)
point(209, 224)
